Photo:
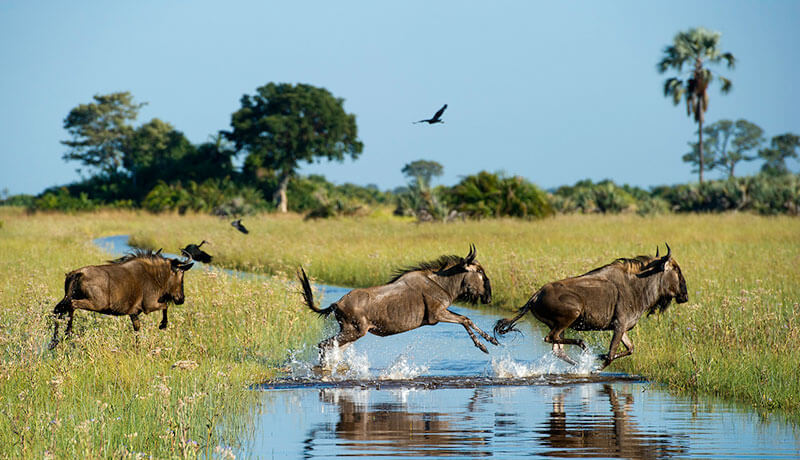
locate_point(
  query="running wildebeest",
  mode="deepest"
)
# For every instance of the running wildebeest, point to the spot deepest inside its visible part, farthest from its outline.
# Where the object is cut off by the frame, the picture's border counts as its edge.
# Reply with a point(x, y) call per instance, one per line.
point(142, 281)
point(415, 297)
point(609, 298)
point(437, 117)
point(194, 252)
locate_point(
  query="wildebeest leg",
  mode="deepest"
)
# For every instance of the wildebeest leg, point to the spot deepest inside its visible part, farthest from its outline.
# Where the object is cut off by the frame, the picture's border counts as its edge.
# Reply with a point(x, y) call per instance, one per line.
point(556, 337)
point(619, 335)
point(163, 324)
point(68, 331)
point(135, 321)
point(447, 316)
point(348, 334)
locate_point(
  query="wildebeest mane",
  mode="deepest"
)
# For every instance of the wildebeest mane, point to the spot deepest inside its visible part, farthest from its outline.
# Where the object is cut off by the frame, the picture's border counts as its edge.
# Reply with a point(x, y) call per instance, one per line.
point(634, 265)
point(138, 253)
point(438, 265)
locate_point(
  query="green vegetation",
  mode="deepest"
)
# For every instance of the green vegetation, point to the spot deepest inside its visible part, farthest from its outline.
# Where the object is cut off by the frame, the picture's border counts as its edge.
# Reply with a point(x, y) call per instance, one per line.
point(110, 393)
point(738, 337)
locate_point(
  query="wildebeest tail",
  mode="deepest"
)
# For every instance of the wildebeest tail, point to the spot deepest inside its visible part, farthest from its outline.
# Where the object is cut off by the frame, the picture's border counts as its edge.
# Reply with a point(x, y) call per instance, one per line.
point(70, 284)
point(308, 295)
point(506, 325)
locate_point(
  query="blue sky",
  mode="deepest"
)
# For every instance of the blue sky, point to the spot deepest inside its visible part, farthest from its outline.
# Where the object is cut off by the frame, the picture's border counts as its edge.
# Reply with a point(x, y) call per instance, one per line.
point(552, 91)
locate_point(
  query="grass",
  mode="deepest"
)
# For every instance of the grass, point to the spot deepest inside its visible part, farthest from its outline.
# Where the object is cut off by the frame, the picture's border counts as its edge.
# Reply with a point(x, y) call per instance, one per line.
point(107, 392)
point(738, 337)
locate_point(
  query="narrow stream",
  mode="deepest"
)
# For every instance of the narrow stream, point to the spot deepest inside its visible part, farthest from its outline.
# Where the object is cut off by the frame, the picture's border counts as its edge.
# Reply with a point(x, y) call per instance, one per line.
point(430, 392)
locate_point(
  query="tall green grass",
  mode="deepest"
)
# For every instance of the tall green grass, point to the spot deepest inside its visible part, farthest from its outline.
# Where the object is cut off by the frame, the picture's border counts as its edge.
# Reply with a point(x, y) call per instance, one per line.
point(110, 392)
point(738, 337)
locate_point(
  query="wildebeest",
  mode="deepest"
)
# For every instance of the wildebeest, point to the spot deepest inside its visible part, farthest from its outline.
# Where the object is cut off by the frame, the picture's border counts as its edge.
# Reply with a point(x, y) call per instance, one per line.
point(612, 297)
point(142, 281)
point(415, 297)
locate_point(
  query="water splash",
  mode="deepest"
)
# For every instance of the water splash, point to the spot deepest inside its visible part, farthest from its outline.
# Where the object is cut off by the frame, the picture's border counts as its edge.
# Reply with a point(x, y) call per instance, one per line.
point(402, 369)
point(506, 366)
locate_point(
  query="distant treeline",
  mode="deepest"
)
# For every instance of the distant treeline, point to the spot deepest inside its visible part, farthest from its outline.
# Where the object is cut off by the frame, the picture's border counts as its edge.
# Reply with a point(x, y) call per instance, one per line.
point(483, 195)
point(154, 167)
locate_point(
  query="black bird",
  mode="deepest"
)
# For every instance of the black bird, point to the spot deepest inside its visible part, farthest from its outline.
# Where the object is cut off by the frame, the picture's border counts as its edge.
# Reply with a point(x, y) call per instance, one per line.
point(194, 252)
point(437, 118)
point(238, 224)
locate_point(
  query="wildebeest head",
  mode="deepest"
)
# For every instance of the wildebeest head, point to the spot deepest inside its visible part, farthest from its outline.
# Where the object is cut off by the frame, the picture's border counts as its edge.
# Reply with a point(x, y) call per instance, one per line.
point(475, 285)
point(671, 281)
point(174, 285)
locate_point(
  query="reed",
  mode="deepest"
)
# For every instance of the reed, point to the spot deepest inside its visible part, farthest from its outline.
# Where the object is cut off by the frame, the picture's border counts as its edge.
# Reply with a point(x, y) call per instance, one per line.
point(109, 392)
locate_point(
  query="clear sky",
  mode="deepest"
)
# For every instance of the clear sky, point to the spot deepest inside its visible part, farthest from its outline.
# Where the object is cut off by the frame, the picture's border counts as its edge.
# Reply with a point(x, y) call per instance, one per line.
point(553, 91)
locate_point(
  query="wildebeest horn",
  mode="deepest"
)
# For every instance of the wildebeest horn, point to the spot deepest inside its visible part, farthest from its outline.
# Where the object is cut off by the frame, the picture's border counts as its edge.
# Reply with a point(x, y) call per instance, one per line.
point(472, 253)
point(159, 251)
point(656, 252)
point(669, 252)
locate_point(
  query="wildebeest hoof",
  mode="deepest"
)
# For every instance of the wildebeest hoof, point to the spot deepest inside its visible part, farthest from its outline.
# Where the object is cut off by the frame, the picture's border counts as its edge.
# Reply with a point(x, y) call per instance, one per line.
point(162, 326)
point(483, 348)
point(52, 345)
point(493, 341)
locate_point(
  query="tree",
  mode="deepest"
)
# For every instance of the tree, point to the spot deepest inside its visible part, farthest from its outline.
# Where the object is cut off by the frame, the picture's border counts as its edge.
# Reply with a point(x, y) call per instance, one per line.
point(155, 151)
point(696, 46)
point(781, 147)
point(726, 144)
point(99, 130)
point(422, 170)
point(747, 136)
point(283, 124)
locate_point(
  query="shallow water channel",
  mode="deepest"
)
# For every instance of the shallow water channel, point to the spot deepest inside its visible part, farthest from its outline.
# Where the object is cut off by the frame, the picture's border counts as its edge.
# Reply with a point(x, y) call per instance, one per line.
point(430, 392)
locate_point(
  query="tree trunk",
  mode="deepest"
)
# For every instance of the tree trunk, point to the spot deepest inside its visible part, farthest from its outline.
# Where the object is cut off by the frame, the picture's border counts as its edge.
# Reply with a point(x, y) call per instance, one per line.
point(700, 146)
point(280, 194)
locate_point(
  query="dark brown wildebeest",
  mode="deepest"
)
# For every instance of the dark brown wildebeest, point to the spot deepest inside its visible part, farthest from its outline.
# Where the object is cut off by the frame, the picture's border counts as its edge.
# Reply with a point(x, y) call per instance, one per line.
point(140, 282)
point(415, 297)
point(609, 298)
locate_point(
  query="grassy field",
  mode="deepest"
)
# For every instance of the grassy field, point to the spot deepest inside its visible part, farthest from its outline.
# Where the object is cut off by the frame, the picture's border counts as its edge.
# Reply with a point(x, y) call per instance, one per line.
point(738, 337)
point(110, 393)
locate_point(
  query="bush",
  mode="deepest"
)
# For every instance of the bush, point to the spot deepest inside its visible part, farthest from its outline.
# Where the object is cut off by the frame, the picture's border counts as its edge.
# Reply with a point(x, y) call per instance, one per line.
point(605, 197)
point(61, 200)
point(493, 195)
point(222, 197)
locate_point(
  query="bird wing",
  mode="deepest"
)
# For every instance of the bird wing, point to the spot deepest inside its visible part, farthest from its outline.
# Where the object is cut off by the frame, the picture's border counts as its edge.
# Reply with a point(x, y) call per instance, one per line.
point(440, 112)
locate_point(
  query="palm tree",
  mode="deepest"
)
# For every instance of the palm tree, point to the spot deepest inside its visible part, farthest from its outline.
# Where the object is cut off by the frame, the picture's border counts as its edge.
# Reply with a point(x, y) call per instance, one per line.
point(696, 46)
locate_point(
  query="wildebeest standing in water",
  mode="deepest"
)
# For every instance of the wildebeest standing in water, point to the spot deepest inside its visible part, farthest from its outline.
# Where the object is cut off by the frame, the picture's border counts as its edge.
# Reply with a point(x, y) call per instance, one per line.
point(415, 297)
point(140, 282)
point(612, 297)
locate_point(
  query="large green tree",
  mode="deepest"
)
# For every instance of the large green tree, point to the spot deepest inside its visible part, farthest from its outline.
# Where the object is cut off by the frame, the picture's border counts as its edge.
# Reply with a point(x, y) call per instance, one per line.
point(696, 47)
point(99, 130)
point(283, 124)
point(156, 151)
point(423, 171)
point(781, 148)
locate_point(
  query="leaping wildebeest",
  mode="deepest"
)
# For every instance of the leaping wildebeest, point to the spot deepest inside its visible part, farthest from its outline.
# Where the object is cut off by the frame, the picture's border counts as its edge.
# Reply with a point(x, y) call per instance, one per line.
point(142, 281)
point(416, 296)
point(610, 298)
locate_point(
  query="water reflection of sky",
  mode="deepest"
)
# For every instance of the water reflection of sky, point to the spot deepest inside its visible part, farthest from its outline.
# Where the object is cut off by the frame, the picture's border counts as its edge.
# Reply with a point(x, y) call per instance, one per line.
point(598, 420)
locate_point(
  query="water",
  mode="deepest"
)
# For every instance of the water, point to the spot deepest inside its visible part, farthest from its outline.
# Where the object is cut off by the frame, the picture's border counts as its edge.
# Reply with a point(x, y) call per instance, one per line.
point(430, 392)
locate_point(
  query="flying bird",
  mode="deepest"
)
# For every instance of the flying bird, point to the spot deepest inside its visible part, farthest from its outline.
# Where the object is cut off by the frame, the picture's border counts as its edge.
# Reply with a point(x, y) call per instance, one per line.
point(238, 224)
point(194, 252)
point(437, 117)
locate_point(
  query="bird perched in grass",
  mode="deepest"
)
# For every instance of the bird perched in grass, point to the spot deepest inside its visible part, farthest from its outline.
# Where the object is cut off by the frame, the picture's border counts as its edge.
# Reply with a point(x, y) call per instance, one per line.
point(437, 117)
point(238, 225)
point(194, 252)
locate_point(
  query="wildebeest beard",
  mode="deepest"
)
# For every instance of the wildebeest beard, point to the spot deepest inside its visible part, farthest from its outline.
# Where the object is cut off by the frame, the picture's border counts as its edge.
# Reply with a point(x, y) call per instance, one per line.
point(661, 304)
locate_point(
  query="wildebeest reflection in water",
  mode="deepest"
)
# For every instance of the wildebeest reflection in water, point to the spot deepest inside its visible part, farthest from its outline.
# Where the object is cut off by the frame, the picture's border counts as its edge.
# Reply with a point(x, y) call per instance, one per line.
point(591, 434)
point(389, 429)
